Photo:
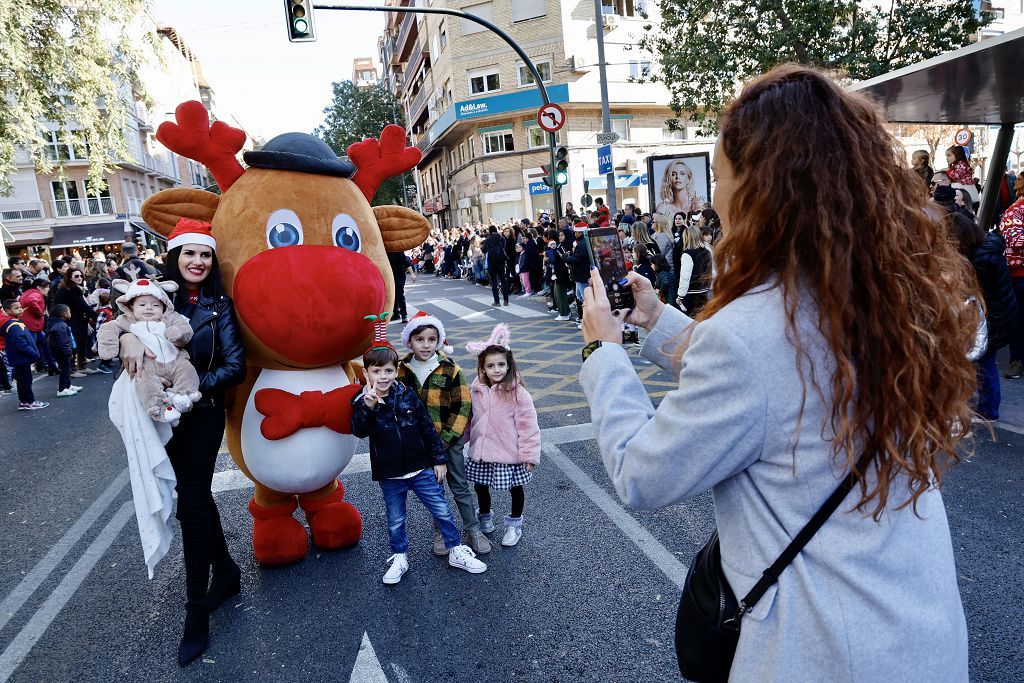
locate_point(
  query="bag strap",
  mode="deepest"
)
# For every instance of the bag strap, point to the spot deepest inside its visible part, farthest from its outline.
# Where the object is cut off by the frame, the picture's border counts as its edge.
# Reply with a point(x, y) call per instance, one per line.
point(770, 576)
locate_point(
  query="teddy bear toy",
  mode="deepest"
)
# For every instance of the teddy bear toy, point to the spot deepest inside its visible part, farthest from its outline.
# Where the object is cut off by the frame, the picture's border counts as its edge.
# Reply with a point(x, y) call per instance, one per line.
point(149, 315)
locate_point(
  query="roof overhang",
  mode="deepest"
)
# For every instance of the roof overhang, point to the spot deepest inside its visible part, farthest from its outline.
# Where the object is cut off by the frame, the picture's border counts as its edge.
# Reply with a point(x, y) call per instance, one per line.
point(981, 84)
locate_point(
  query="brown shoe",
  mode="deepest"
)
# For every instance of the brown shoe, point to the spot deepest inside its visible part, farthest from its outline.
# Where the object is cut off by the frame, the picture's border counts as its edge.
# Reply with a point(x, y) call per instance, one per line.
point(479, 543)
point(438, 547)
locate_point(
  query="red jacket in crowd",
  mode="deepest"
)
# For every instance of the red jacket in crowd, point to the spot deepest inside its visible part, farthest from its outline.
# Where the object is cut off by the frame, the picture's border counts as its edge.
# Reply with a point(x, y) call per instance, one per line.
point(34, 304)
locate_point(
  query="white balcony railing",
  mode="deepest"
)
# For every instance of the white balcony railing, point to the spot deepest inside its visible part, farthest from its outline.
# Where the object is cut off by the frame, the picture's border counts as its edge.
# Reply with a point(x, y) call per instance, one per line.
point(134, 205)
point(90, 206)
point(20, 211)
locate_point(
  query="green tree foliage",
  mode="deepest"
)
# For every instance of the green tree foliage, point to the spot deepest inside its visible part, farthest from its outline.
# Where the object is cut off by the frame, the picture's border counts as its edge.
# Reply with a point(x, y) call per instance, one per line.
point(358, 113)
point(708, 47)
point(69, 63)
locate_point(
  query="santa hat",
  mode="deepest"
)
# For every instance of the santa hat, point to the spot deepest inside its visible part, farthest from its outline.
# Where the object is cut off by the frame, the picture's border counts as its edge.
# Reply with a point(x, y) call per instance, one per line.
point(380, 331)
point(500, 336)
point(424, 319)
point(189, 231)
point(136, 288)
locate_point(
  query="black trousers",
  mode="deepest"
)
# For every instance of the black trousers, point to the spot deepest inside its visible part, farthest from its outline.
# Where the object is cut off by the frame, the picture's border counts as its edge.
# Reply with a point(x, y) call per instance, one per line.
point(498, 277)
point(5, 383)
point(64, 364)
point(400, 310)
point(483, 496)
point(193, 453)
point(23, 377)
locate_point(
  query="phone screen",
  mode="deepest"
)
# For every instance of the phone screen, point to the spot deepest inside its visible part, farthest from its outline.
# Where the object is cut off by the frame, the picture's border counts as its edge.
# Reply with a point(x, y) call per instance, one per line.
point(606, 253)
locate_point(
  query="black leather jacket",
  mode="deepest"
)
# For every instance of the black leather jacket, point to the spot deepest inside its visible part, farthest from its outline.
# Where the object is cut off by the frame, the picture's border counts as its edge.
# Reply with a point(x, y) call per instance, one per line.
point(216, 348)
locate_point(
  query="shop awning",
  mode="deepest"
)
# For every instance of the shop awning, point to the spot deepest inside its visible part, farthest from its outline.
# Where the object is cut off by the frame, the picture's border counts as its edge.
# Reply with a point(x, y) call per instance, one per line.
point(27, 238)
point(88, 234)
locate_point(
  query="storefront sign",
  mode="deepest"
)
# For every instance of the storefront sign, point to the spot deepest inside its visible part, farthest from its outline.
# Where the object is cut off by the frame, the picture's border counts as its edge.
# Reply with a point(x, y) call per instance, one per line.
point(539, 187)
point(503, 196)
point(515, 101)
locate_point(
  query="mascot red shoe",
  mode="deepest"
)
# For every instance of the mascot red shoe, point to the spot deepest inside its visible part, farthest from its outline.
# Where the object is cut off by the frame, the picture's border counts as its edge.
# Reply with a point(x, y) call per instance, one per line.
point(303, 255)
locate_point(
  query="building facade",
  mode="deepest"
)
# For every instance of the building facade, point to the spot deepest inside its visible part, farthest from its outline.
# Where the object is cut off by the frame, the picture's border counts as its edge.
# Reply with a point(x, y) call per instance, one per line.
point(364, 72)
point(48, 216)
point(471, 104)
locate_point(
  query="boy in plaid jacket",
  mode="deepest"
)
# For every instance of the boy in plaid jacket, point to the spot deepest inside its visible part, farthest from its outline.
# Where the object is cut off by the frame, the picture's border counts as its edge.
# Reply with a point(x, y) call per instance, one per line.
point(445, 392)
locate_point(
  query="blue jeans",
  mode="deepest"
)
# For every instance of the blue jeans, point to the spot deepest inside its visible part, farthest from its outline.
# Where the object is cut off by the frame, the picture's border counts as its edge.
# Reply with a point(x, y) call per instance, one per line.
point(988, 386)
point(430, 493)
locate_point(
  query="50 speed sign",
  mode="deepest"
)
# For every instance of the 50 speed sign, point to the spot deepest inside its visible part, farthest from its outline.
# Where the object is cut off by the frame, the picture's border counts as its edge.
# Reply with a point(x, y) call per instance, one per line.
point(963, 137)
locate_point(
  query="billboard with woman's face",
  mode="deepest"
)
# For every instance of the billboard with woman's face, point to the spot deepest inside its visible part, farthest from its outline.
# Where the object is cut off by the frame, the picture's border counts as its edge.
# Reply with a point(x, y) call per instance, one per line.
point(679, 182)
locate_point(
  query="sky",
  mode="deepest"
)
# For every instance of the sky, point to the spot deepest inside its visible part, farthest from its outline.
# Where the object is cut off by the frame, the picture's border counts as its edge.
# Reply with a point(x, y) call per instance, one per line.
point(269, 84)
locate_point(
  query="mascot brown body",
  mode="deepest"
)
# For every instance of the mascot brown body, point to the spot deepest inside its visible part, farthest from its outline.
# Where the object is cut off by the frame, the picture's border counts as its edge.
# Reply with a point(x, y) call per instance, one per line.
point(303, 255)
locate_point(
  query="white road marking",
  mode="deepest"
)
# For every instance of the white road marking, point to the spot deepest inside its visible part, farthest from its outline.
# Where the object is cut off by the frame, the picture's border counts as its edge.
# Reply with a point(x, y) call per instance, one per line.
point(511, 309)
point(35, 578)
point(22, 644)
point(634, 531)
point(367, 668)
point(457, 309)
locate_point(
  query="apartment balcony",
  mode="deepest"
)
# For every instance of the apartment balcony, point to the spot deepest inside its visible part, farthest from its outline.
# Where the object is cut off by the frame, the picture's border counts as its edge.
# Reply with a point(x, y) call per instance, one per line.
point(418, 103)
point(20, 211)
point(413, 68)
point(162, 165)
point(406, 36)
point(142, 115)
point(90, 206)
point(133, 206)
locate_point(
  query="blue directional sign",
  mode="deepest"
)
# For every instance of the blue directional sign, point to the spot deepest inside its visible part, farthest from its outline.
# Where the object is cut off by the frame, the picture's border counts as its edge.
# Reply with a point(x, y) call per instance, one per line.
point(604, 159)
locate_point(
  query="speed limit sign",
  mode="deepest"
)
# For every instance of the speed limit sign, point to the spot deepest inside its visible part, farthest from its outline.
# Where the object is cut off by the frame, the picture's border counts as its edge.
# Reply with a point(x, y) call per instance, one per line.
point(963, 137)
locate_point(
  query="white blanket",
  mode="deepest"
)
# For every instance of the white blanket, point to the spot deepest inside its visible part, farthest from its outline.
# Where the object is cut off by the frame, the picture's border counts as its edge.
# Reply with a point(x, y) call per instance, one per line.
point(151, 333)
point(151, 474)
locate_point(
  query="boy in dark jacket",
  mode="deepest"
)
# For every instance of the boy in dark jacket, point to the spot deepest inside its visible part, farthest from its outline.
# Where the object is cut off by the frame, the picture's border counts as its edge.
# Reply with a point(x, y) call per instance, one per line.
point(406, 454)
point(59, 340)
point(21, 353)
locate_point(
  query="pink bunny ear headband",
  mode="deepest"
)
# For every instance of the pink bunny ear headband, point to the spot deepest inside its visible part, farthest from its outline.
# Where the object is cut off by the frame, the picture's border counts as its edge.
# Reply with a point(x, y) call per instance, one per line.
point(500, 336)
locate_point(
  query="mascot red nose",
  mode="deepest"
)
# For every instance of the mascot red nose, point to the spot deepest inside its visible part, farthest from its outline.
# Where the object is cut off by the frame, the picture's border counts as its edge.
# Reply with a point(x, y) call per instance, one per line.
point(303, 254)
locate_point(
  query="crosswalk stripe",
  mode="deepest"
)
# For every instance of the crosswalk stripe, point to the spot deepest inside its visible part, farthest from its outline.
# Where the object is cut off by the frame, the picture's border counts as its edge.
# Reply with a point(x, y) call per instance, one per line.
point(457, 309)
point(511, 309)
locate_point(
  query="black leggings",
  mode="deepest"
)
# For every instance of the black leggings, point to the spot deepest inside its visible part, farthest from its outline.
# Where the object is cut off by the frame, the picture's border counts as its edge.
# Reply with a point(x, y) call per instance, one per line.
point(483, 494)
point(193, 454)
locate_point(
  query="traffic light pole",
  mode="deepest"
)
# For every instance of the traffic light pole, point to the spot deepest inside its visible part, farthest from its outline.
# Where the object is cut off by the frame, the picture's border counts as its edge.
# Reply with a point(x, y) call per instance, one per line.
point(609, 179)
point(552, 137)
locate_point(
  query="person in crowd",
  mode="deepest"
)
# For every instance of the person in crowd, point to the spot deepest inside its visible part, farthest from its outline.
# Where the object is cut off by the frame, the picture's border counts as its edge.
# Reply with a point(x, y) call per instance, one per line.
point(1011, 227)
point(511, 259)
point(38, 268)
point(12, 284)
point(642, 261)
point(534, 261)
point(662, 235)
point(72, 294)
point(476, 256)
point(578, 261)
point(504, 445)
point(130, 258)
point(561, 280)
point(958, 169)
point(104, 314)
point(642, 235)
point(440, 384)
point(678, 224)
point(61, 345)
point(400, 267)
point(985, 252)
point(405, 455)
point(802, 368)
point(20, 346)
point(662, 278)
point(496, 251)
point(628, 218)
point(964, 201)
point(216, 353)
point(920, 162)
point(694, 268)
point(33, 303)
point(521, 268)
point(1008, 192)
point(604, 214)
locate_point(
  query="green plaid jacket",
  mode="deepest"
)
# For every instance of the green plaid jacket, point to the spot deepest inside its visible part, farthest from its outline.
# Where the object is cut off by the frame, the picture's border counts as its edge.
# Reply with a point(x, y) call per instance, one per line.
point(446, 396)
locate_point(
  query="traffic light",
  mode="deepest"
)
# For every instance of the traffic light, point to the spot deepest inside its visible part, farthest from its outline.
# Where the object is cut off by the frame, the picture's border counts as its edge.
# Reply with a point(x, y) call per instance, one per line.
point(300, 20)
point(547, 176)
point(561, 166)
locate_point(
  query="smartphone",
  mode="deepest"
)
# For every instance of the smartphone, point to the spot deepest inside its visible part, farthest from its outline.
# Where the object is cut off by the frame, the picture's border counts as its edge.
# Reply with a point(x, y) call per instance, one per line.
point(606, 254)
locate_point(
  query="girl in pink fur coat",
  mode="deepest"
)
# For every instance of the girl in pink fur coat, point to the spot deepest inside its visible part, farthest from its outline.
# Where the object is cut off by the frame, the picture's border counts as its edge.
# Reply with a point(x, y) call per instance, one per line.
point(504, 437)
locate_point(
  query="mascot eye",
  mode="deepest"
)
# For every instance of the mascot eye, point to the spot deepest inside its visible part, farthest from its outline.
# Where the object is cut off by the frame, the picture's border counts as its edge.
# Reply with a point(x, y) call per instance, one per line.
point(346, 232)
point(284, 229)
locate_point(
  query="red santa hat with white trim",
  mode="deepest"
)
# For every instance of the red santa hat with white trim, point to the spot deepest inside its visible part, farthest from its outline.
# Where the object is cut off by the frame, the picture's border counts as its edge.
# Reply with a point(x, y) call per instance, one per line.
point(191, 231)
point(424, 319)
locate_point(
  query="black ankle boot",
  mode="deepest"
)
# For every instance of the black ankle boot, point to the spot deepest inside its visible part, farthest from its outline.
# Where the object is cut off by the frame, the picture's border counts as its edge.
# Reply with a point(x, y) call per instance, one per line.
point(226, 582)
point(196, 636)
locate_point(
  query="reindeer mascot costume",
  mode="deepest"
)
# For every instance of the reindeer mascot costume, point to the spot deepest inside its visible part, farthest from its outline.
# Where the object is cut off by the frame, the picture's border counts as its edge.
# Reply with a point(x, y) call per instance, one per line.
point(303, 255)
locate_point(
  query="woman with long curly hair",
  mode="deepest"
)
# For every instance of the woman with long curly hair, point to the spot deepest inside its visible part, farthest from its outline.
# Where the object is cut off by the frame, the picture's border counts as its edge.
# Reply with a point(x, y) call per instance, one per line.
point(677, 192)
point(835, 342)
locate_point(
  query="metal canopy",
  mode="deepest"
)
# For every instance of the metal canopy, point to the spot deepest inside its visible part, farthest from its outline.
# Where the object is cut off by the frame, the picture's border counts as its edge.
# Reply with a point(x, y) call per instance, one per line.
point(982, 83)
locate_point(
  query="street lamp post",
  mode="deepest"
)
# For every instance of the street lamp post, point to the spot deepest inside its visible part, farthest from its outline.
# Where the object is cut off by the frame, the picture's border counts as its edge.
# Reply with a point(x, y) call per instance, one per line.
point(552, 139)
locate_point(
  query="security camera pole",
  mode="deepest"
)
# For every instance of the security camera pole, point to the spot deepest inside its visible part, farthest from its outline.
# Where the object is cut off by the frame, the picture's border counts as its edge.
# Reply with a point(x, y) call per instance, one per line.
point(552, 137)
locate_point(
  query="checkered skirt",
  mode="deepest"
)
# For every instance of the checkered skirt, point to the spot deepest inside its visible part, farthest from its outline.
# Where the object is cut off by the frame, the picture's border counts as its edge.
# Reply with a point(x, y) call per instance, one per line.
point(497, 475)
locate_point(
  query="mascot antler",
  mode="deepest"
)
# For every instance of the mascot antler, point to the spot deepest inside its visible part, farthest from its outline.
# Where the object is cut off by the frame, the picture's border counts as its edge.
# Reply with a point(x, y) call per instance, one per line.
point(376, 161)
point(215, 146)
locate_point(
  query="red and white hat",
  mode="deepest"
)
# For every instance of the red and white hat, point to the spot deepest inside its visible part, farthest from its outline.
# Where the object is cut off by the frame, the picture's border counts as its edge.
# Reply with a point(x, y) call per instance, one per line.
point(424, 319)
point(191, 231)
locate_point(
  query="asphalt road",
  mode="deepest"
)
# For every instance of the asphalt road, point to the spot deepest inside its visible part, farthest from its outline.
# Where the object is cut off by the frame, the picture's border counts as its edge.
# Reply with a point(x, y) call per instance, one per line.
point(588, 595)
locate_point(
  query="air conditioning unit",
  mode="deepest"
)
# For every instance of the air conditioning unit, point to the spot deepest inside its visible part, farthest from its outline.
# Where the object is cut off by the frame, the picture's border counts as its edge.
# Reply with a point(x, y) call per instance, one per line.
point(610, 21)
point(488, 178)
point(576, 63)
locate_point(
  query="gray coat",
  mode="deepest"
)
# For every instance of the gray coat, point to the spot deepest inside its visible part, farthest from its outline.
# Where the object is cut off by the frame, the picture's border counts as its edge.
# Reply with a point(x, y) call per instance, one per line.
point(865, 600)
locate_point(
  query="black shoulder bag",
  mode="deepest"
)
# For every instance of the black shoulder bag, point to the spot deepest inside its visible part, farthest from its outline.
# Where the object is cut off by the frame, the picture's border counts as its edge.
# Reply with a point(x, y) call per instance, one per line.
point(708, 621)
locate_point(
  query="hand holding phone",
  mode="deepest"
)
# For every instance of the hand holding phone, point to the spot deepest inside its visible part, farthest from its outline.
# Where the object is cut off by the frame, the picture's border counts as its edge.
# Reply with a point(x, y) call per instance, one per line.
point(606, 255)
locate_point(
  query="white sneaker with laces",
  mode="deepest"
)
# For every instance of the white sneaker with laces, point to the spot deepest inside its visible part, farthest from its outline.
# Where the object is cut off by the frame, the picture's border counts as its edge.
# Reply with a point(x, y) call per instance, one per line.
point(399, 566)
point(562, 317)
point(463, 557)
point(66, 392)
point(76, 387)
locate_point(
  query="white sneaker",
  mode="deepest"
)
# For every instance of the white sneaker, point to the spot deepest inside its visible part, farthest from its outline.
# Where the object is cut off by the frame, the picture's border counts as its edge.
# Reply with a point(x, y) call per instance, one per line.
point(562, 317)
point(513, 531)
point(463, 557)
point(76, 387)
point(399, 566)
point(66, 392)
